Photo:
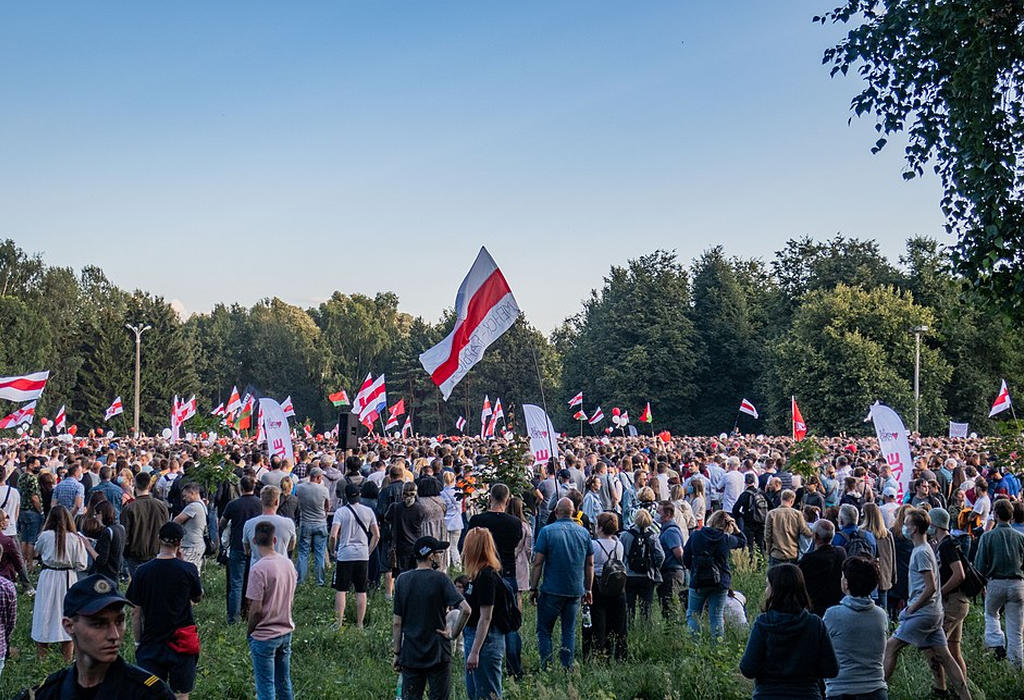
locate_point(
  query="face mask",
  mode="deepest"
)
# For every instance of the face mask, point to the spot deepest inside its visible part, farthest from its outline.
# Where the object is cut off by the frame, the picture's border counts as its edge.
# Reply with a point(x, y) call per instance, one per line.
point(689, 490)
point(906, 532)
point(931, 531)
point(120, 479)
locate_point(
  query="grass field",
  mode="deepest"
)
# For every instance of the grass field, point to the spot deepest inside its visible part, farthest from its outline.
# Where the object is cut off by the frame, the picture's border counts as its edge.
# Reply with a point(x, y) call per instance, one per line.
point(663, 661)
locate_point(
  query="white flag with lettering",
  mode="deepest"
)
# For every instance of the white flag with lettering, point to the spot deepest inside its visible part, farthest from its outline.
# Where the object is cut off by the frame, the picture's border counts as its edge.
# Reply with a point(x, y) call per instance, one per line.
point(275, 427)
point(958, 430)
point(892, 438)
point(543, 438)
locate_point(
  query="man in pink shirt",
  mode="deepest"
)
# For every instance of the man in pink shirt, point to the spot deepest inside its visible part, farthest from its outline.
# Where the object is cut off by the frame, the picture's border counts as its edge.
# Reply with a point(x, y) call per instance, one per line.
point(270, 593)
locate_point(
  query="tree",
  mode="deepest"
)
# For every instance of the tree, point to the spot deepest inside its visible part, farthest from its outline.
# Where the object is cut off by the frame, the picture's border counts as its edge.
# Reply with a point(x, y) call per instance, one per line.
point(950, 75)
point(634, 341)
point(849, 347)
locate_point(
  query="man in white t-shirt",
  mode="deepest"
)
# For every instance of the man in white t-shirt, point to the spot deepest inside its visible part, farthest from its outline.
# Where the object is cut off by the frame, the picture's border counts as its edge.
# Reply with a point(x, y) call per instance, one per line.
point(355, 534)
point(732, 484)
point(982, 502)
point(284, 528)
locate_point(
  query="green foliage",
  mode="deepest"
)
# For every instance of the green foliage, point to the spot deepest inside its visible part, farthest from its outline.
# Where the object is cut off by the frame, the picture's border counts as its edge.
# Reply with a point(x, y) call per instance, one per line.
point(804, 457)
point(509, 466)
point(949, 76)
point(1006, 445)
point(211, 471)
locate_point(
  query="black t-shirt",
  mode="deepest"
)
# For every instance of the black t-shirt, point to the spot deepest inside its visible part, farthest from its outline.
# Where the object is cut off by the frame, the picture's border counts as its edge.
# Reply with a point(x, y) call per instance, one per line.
point(164, 589)
point(487, 589)
point(422, 600)
point(949, 553)
point(407, 526)
point(506, 530)
point(237, 512)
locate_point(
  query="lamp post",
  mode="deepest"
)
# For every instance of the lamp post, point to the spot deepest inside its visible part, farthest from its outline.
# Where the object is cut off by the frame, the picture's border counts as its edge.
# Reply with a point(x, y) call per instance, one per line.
point(138, 330)
point(918, 330)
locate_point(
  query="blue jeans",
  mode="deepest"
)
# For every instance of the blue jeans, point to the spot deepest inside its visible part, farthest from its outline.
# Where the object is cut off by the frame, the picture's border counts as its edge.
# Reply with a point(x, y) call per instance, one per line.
point(270, 667)
point(237, 561)
point(715, 599)
point(485, 681)
point(513, 642)
point(882, 599)
point(315, 536)
point(550, 608)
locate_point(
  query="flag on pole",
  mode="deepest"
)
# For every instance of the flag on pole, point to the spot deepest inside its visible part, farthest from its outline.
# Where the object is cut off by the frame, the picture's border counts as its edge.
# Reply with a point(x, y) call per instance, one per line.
point(485, 413)
point(286, 406)
point(799, 427)
point(499, 412)
point(22, 415)
point(261, 433)
point(398, 409)
point(624, 418)
point(219, 411)
point(645, 417)
point(58, 422)
point(492, 426)
point(392, 423)
point(234, 401)
point(580, 415)
point(1002, 401)
point(24, 388)
point(597, 416)
point(187, 409)
point(375, 400)
point(114, 409)
point(748, 408)
point(407, 426)
point(485, 309)
point(363, 392)
point(576, 400)
point(460, 424)
point(244, 420)
point(338, 398)
point(307, 430)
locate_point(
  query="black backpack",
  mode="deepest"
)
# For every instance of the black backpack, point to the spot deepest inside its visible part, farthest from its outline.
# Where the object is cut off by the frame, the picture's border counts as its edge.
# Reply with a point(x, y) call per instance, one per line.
point(613, 574)
point(512, 612)
point(705, 572)
point(640, 556)
point(857, 544)
point(758, 508)
point(974, 581)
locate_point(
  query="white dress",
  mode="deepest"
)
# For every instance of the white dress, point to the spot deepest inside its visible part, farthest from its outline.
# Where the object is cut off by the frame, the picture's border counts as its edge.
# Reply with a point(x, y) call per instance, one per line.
point(54, 581)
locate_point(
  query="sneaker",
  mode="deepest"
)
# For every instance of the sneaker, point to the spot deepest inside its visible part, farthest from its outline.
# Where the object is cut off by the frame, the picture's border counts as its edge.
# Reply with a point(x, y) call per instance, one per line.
point(1000, 653)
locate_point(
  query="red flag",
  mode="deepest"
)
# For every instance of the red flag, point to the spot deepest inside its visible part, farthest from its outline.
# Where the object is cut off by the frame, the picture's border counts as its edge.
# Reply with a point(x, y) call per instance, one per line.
point(645, 417)
point(799, 427)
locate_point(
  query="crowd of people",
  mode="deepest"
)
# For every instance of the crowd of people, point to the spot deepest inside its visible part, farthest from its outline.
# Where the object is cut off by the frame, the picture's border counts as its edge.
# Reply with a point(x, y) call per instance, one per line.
point(99, 532)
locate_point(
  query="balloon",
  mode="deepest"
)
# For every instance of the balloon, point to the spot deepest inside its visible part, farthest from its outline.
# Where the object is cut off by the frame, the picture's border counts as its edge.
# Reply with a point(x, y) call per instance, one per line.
point(665, 436)
point(21, 430)
point(616, 411)
point(166, 433)
point(723, 436)
point(110, 433)
point(974, 436)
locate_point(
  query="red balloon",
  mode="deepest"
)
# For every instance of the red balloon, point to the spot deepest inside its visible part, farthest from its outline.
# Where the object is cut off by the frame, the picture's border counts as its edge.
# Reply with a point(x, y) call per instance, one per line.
point(616, 411)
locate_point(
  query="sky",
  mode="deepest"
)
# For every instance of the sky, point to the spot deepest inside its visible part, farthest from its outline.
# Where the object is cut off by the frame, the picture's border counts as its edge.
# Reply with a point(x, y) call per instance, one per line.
point(229, 152)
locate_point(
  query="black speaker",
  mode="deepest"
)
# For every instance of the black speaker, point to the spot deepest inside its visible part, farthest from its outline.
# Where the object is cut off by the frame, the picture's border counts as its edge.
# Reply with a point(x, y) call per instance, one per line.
point(348, 431)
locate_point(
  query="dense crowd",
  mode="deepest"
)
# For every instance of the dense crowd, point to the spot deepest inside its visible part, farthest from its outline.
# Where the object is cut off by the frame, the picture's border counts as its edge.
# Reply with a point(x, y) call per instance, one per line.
point(101, 531)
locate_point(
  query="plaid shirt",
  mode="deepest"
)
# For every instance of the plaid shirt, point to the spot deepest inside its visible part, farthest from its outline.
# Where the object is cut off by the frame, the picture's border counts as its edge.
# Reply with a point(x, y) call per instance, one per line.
point(8, 614)
point(300, 470)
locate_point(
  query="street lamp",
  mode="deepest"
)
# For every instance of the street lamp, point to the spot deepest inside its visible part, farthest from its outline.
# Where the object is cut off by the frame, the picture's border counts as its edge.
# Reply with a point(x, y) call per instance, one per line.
point(138, 330)
point(917, 330)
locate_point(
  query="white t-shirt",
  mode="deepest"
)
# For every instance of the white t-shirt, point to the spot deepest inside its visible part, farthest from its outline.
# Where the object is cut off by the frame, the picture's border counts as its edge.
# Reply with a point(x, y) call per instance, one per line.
point(983, 507)
point(353, 539)
point(889, 513)
point(284, 530)
point(195, 525)
point(733, 488)
point(10, 500)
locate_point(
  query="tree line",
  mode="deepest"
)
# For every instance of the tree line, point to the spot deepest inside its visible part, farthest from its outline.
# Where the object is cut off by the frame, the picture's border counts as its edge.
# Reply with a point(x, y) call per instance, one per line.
point(827, 321)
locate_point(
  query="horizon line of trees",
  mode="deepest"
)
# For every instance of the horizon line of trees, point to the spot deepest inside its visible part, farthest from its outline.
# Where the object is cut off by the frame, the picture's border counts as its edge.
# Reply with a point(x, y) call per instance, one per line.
point(827, 321)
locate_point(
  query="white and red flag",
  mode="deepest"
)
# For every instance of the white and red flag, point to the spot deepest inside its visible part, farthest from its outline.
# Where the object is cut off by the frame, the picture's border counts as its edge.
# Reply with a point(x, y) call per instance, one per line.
point(576, 400)
point(24, 388)
point(60, 420)
point(1002, 401)
point(114, 409)
point(392, 423)
point(306, 429)
point(286, 406)
point(219, 411)
point(748, 408)
point(407, 426)
point(22, 415)
point(460, 423)
point(485, 309)
point(799, 427)
point(187, 409)
point(234, 401)
point(597, 416)
point(374, 401)
point(492, 426)
point(499, 412)
point(361, 395)
point(261, 433)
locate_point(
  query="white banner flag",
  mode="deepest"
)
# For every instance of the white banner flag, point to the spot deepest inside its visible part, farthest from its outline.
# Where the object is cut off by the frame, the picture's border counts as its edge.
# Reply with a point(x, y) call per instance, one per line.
point(892, 439)
point(275, 427)
point(958, 430)
point(543, 438)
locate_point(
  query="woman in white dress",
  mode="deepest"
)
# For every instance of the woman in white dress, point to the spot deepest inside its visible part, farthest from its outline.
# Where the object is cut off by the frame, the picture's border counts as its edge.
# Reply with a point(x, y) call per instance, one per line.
point(63, 555)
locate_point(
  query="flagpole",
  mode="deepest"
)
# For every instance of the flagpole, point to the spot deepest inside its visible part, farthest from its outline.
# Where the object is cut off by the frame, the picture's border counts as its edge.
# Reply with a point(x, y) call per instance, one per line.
point(544, 401)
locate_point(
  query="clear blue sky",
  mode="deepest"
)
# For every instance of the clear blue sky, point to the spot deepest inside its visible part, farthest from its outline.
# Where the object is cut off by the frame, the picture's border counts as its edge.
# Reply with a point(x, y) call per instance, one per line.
point(232, 151)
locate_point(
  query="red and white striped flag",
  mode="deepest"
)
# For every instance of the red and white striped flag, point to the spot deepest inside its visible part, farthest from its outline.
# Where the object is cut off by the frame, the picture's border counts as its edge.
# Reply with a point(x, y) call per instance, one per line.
point(460, 423)
point(60, 420)
point(114, 409)
point(22, 415)
point(261, 434)
point(307, 431)
point(485, 309)
point(392, 423)
point(24, 388)
point(597, 416)
point(748, 408)
point(219, 411)
point(361, 395)
point(234, 401)
point(1002, 401)
point(407, 426)
point(187, 409)
point(499, 412)
point(374, 401)
point(576, 400)
point(286, 406)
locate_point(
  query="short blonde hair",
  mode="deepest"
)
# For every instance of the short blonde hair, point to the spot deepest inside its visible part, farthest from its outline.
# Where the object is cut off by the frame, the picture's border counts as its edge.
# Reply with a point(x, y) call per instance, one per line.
point(643, 519)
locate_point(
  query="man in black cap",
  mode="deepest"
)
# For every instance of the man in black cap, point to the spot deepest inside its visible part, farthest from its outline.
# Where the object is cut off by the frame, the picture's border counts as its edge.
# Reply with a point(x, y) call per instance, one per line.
point(422, 640)
point(163, 591)
point(94, 618)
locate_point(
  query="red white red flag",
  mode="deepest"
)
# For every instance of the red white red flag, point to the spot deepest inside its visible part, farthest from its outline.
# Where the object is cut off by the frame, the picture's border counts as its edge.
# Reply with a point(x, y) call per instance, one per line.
point(363, 392)
point(597, 416)
point(58, 422)
point(748, 408)
point(24, 388)
point(234, 401)
point(114, 409)
point(485, 309)
point(286, 406)
point(219, 411)
point(1002, 401)
point(799, 427)
point(576, 400)
point(407, 426)
point(460, 423)
point(22, 415)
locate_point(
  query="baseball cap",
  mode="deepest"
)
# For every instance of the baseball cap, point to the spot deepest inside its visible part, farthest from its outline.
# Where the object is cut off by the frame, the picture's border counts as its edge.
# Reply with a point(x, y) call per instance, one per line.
point(425, 545)
point(172, 533)
point(351, 493)
point(939, 518)
point(92, 594)
point(564, 474)
point(889, 492)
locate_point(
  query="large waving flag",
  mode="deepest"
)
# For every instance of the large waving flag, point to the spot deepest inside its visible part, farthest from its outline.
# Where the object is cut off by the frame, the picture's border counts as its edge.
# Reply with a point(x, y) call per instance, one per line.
point(187, 409)
point(286, 406)
point(114, 409)
point(234, 401)
point(576, 400)
point(597, 416)
point(748, 408)
point(375, 400)
point(1002, 401)
point(362, 393)
point(485, 309)
point(24, 388)
point(22, 415)
point(799, 427)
